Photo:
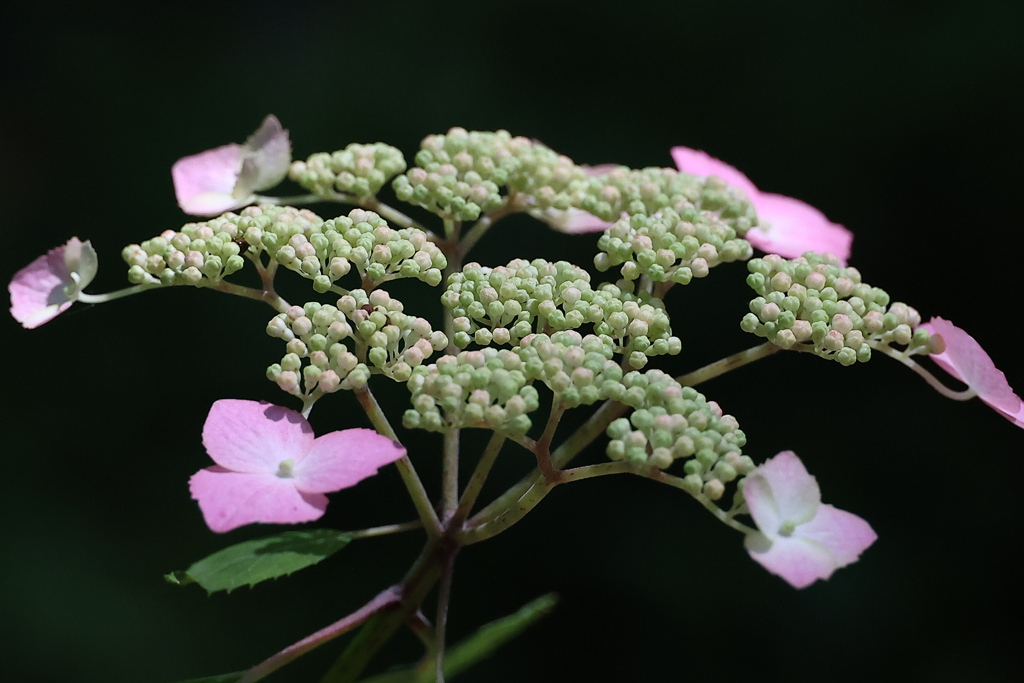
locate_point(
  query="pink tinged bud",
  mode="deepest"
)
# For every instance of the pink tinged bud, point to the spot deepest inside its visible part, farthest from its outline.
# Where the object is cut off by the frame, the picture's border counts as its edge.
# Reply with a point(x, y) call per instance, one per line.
point(270, 468)
point(801, 330)
point(834, 340)
point(790, 227)
point(964, 359)
point(842, 323)
point(48, 286)
point(227, 177)
point(801, 539)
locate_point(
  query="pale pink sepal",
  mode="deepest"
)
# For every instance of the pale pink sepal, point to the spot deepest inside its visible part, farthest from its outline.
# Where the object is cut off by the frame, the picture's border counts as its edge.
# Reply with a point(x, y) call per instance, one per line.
point(204, 183)
point(229, 499)
point(271, 469)
point(800, 539)
point(48, 286)
point(696, 162)
point(965, 360)
point(571, 221)
point(248, 436)
point(227, 177)
point(789, 227)
point(794, 227)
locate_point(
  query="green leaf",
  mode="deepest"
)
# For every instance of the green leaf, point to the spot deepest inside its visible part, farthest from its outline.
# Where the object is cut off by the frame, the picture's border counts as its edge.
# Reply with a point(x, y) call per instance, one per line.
point(480, 645)
point(223, 678)
point(251, 562)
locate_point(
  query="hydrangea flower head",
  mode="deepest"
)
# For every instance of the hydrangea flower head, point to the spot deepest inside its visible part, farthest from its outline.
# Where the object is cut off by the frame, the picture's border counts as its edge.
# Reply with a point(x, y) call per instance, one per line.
point(271, 469)
point(48, 286)
point(793, 226)
point(965, 360)
point(801, 539)
point(227, 177)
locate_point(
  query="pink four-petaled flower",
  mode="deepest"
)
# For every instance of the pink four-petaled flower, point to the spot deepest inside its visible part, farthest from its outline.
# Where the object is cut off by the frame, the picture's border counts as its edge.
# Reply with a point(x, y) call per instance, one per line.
point(271, 469)
point(227, 177)
point(967, 361)
point(48, 286)
point(801, 539)
point(793, 226)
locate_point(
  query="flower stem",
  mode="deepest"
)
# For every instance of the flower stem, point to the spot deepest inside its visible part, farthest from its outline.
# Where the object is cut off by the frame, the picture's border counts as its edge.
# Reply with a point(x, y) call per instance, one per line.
point(413, 485)
point(444, 596)
point(117, 294)
point(720, 367)
point(677, 482)
point(477, 479)
point(292, 652)
point(385, 530)
point(269, 297)
point(450, 473)
point(481, 227)
point(964, 395)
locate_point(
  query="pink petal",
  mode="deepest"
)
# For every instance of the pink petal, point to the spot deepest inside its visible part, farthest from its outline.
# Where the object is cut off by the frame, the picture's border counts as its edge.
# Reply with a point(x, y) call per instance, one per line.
point(37, 290)
point(843, 534)
point(781, 490)
point(800, 562)
point(965, 360)
point(600, 169)
point(204, 183)
point(344, 458)
point(791, 227)
point(249, 436)
point(269, 158)
point(573, 221)
point(696, 162)
point(231, 499)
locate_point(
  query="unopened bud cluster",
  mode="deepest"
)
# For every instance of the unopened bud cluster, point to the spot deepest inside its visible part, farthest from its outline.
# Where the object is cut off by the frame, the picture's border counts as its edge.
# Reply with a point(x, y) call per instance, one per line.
point(357, 170)
point(579, 370)
point(505, 304)
point(200, 251)
point(673, 422)
point(812, 303)
point(316, 358)
point(650, 190)
point(392, 342)
point(459, 175)
point(486, 388)
point(669, 246)
point(326, 251)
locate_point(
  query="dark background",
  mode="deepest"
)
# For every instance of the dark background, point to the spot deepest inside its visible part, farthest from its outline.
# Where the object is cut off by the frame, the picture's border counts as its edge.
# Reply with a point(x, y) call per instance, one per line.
point(898, 119)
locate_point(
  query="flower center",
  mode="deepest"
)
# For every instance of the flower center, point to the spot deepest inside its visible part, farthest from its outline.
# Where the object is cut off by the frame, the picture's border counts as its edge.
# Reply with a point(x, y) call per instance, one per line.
point(286, 468)
point(786, 529)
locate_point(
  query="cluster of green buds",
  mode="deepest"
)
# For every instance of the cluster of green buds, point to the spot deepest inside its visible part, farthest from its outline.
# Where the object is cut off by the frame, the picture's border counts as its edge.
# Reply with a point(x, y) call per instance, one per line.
point(814, 304)
point(315, 350)
point(673, 422)
point(395, 343)
point(326, 251)
point(380, 334)
point(460, 175)
point(505, 304)
point(358, 170)
point(579, 370)
point(670, 246)
point(650, 190)
point(206, 251)
point(486, 388)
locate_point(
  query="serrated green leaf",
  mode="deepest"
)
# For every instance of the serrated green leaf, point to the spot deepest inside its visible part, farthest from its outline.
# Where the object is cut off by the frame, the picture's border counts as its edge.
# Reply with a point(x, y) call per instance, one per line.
point(223, 678)
point(481, 644)
point(251, 562)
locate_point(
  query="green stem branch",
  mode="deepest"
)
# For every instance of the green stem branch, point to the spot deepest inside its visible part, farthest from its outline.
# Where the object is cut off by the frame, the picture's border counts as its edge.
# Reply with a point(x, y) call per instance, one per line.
point(412, 482)
point(343, 625)
point(117, 294)
point(964, 395)
point(477, 479)
point(720, 367)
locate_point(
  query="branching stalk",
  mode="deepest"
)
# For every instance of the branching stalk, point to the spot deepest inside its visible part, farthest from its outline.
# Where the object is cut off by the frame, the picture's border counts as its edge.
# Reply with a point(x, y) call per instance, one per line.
point(413, 485)
point(343, 625)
